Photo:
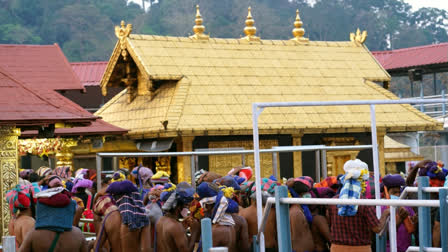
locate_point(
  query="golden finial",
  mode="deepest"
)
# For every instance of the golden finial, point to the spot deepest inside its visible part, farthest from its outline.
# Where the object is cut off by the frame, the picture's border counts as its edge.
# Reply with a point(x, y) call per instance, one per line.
point(358, 38)
point(298, 31)
point(122, 33)
point(199, 29)
point(250, 29)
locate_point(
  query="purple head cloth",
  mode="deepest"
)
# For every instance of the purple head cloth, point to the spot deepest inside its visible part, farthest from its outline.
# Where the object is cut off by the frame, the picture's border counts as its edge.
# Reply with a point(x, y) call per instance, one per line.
point(81, 183)
point(121, 187)
point(395, 180)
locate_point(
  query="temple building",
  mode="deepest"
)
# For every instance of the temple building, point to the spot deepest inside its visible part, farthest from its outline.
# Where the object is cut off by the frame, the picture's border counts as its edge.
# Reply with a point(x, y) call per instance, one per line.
point(25, 106)
point(189, 93)
point(45, 67)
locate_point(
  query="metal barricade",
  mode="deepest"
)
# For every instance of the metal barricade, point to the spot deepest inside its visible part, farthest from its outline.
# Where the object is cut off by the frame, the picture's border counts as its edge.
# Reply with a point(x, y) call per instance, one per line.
point(423, 202)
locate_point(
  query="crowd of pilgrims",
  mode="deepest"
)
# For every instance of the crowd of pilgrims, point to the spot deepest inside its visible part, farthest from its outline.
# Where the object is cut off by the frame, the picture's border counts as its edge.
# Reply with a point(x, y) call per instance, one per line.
point(141, 211)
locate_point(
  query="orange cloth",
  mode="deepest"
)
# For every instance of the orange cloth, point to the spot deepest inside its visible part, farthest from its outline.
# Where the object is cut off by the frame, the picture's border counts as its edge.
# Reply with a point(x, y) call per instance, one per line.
point(345, 248)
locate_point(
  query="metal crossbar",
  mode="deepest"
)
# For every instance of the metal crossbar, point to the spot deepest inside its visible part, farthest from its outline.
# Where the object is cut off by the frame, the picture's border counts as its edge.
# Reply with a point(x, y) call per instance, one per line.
point(257, 109)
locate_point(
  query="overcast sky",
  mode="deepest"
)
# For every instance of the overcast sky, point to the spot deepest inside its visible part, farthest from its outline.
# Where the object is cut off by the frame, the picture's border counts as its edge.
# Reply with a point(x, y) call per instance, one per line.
point(417, 4)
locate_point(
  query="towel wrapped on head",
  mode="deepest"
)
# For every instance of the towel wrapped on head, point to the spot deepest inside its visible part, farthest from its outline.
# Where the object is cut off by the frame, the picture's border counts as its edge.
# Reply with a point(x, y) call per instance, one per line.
point(81, 183)
point(393, 180)
point(144, 173)
point(436, 173)
point(180, 195)
point(21, 197)
point(353, 185)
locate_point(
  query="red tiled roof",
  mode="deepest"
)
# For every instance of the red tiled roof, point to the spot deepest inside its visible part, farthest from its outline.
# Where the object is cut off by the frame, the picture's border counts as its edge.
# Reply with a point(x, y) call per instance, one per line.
point(413, 56)
point(98, 127)
point(22, 104)
point(90, 73)
point(44, 65)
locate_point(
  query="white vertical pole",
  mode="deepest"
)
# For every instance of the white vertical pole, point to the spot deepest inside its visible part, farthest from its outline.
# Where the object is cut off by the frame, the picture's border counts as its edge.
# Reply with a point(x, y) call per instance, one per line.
point(324, 164)
point(275, 165)
point(255, 113)
point(393, 230)
point(317, 155)
point(9, 244)
point(376, 168)
point(98, 172)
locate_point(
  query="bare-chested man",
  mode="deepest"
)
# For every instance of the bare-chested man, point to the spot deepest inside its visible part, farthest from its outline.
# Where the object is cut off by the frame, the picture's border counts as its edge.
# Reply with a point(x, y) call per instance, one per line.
point(43, 240)
point(170, 232)
point(22, 205)
point(270, 231)
point(301, 236)
point(125, 229)
point(228, 229)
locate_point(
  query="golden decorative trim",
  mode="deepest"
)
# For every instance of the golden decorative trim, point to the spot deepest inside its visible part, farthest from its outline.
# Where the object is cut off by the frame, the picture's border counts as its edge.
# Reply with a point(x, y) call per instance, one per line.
point(358, 38)
point(298, 31)
point(250, 29)
point(199, 29)
point(122, 33)
point(9, 169)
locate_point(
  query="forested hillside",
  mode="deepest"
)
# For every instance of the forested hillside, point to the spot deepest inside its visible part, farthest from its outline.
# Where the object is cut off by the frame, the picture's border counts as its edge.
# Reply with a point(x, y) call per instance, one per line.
point(85, 28)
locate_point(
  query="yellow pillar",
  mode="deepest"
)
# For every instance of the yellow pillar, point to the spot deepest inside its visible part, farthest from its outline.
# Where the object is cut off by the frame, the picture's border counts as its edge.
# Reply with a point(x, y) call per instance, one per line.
point(297, 155)
point(9, 169)
point(184, 162)
point(65, 155)
point(382, 162)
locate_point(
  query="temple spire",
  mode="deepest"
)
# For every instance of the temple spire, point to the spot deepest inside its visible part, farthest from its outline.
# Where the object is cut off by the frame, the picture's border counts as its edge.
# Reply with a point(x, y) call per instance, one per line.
point(199, 29)
point(298, 31)
point(250, 29)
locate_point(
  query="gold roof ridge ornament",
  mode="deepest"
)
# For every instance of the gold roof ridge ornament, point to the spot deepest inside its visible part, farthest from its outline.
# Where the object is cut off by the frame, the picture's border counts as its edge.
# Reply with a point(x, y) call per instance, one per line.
point(298, 31)
point(198, 28)
point(250, 29)
point(122, 33)
point(358, 38)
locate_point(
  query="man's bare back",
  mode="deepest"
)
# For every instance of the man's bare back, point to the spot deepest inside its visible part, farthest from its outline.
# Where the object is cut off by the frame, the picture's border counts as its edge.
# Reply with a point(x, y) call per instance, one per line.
point(41, 240)
point(22, 226)
point(171, 235)
point(301, 237)
point(270, 231)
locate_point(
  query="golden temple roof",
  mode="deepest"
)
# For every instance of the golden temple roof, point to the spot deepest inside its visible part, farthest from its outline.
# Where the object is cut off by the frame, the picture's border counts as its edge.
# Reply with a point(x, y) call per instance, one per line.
point(206, 87)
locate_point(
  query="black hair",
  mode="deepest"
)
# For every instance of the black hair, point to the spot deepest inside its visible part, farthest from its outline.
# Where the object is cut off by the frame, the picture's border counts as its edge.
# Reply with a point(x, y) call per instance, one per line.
point(34, 177)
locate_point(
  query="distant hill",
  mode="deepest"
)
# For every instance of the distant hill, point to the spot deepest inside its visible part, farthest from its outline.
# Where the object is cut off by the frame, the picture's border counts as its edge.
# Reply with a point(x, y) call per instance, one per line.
point(85, 28)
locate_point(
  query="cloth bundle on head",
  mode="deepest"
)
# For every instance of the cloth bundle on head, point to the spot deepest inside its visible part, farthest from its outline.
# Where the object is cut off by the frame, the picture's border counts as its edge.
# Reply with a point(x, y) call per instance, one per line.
point(57, 219)
point(129, 203)
point(393, 180)
point(302, 184)
point(228, 181)
point(25, 173)
point(245, 173)
point(43, 171)
point(142, 173)
point(322, 192)
point(121, 187)
point(81, 183)
point(118, 176)
point(353, 185)
point(160, 177)
point(21, 197)
point(62, 172)
point(436, 173)
point(54, 181)
point(183, 194)
point(210, 194)
point(81, 173)
point(54, 197)
point(330, 182)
